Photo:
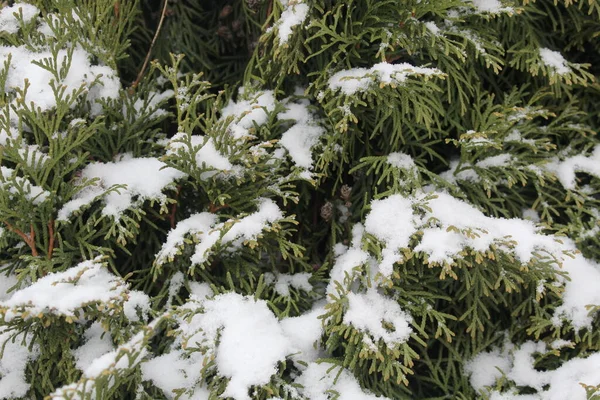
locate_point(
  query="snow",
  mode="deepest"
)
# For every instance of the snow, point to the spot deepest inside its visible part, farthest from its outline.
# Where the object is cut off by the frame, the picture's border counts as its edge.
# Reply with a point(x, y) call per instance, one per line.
point(319, 380)
point(291, 17)
point(144, 179)
point(490, 6)
point(99, 81)
point(137, 302)
point(247, 113)
point(62, 293)
point(391, 220)
point(305, 332)
point(97, 343)
point(283, 282)
point(8, 20)
point(18, 185)
point(13, 363)
point(205, 154)
point(566, 169)
point(356, 80)
point(517, 365)
point(251, 342)
point(300, 139)
point(486, 367)
point(368, 311)
point(554, 60)
point(173, 371)
point(6, 283)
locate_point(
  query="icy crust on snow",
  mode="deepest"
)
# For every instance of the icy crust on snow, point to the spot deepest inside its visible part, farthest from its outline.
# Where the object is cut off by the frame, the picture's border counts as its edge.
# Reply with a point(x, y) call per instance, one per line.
point(294, 14)
point(64, 293)
point(319, 380)
point(554, 60)
point(8, 16)
point(98, 81)
point(208, 232)
point(517, 365)
point(356, 80)
point(441, 227)
point(144, 179)
point(567, 169)
point(15, 356)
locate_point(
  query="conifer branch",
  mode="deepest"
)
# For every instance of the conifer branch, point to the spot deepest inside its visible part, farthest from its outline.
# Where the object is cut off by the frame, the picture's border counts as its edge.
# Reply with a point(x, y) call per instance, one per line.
point(28, 239)
point(140, 75)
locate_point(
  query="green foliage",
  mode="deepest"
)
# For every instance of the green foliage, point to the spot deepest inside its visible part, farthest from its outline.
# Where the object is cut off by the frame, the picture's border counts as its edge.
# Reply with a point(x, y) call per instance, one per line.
point(396, 189)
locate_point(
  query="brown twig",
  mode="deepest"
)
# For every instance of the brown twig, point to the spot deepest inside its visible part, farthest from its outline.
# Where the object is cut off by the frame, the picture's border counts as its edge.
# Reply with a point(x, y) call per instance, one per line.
point(214, 208)
point(29, 240)
point(163, 13)
point(50, 238)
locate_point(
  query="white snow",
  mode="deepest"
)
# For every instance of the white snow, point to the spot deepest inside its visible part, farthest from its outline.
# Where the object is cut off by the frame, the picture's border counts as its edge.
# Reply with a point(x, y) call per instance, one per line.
point(246, 113)
point(61, 293)
point(97, 342)
point(251, 341)
point(566, 169)
point(18, 185)
point(15, 356)
point(368, 311)
point(174, 370)
point(291, 17)
point(283, 282)
point(319, 380)
point(145, 179)
point(391, 220)
point(81, 73)
point(554, 60)
point(8, 19)
point(563, 382)
point(305, 333)
point(490, 6)
point(356, 80)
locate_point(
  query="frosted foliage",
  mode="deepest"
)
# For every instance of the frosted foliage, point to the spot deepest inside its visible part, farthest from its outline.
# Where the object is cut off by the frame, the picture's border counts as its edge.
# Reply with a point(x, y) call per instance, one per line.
point(194, 224)
point(251, 341)
point(31, 192)
point(517, 365)
point(8, 19)
point(15, 356)
point(367, 312)
point(144, 179)
point(319, 380)
point(356, 80)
